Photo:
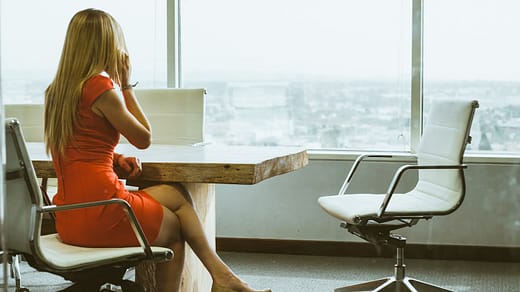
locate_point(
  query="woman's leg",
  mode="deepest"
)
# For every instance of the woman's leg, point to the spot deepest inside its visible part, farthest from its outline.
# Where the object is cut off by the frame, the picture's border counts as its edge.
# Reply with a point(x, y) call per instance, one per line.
point(178, 202)
point(168, 274)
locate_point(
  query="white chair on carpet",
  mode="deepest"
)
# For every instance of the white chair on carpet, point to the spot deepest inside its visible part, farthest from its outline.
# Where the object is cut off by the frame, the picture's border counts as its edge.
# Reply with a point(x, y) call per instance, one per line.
point(440, 190)
point(88, 268)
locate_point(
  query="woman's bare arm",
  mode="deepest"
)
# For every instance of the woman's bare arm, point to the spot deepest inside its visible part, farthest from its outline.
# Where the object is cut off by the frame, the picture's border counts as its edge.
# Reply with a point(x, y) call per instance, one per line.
point(128, 117)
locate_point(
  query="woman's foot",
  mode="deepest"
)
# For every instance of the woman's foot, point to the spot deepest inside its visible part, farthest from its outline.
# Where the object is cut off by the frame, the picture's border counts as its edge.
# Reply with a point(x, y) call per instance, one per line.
point(217, 288)
point(232, 283)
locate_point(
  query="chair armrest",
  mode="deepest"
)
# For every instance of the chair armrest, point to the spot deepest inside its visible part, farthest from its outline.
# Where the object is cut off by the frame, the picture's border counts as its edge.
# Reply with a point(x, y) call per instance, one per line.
point(127, 208)
point(358, 160)
point(398, 175)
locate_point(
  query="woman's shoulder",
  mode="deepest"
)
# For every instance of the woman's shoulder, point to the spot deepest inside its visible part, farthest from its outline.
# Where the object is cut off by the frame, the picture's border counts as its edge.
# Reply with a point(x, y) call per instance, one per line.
point(95, 86)
point(100, 79)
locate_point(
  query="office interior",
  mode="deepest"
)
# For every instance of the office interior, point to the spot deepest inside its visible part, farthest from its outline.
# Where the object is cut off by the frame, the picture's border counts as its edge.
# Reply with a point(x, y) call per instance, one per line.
point(276, 74)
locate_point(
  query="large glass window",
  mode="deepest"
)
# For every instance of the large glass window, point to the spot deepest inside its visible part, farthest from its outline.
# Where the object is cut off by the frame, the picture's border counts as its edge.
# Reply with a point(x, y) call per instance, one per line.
point(471, 51)
point(33, 34)
point(330, 74)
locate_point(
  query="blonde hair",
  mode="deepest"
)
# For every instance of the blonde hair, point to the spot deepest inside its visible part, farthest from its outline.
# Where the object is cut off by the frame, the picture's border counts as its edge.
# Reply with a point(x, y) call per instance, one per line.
point(94, 43)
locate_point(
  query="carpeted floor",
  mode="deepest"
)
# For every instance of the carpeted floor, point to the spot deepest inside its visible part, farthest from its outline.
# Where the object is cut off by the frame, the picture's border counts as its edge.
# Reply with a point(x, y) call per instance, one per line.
point(288, 273)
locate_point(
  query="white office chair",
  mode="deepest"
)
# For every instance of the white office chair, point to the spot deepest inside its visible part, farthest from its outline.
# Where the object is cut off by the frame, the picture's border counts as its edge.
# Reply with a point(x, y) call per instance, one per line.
point(440, 190)
point(88, 268)
point(30, 117)
point(176, 114)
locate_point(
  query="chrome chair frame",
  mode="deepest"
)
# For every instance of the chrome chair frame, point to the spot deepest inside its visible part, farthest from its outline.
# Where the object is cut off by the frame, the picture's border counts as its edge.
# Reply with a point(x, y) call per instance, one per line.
point(377, 228)
point(23, 218)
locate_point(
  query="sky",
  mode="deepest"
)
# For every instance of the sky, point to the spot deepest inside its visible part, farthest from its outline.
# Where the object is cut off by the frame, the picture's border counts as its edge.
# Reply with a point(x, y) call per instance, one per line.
point(464, 39)
point(33, 31)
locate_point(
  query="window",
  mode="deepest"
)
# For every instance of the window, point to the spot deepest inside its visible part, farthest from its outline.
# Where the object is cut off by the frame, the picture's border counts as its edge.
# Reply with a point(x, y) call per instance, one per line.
point(328, 75)
point(476, 57)
point(33, 34)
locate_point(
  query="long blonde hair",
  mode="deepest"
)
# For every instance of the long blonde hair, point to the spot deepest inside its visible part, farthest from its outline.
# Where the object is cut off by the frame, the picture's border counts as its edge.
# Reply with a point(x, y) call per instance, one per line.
point(94, 43)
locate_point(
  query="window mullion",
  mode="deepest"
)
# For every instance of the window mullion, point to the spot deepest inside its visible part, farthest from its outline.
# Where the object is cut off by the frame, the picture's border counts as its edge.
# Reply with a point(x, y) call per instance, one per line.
point(417, 74)
point(173, 43)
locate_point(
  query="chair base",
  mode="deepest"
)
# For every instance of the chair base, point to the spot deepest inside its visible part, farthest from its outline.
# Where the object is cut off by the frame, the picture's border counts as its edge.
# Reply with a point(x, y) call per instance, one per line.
point(122, 286)
point(398, 282)
point(111, 279)
point(393, 284)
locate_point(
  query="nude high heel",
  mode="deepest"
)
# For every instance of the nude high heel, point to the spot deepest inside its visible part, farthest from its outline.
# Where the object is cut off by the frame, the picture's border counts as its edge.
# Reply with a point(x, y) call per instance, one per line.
point(218, 288)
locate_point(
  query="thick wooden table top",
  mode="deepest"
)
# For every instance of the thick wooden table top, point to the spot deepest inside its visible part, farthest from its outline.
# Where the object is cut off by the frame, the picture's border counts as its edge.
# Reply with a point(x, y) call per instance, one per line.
point(200, 164)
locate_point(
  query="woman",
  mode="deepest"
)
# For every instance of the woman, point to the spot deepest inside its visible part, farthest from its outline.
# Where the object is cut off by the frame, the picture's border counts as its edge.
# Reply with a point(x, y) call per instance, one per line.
point(84, 117)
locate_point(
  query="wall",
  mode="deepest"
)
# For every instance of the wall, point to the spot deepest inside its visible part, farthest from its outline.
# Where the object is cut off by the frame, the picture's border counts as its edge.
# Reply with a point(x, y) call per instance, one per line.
point(285, 207)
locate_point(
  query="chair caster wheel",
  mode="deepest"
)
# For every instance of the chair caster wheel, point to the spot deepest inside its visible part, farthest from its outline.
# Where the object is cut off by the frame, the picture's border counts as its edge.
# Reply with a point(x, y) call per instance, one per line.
point(110, 288)
point(130, 286)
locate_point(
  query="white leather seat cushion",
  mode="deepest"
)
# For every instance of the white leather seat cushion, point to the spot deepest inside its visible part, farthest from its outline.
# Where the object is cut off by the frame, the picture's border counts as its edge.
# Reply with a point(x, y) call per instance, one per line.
point(61, 255)
point(351, 207)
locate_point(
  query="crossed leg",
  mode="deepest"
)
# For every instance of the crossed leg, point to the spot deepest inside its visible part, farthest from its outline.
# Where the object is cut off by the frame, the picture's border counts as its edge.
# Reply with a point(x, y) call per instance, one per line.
point(181, 224)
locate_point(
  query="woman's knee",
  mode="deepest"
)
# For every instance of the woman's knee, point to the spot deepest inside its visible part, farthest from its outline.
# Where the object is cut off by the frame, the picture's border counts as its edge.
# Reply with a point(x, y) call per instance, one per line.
point(172, 196)
point(170, 231)
point(182, 190)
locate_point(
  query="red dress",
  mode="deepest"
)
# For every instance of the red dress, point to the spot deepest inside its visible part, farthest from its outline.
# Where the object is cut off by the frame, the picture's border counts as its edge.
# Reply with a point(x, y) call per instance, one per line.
point(86, 174)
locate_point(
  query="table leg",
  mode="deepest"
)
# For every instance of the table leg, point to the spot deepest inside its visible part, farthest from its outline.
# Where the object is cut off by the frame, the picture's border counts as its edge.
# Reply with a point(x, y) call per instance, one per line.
point(195, 277)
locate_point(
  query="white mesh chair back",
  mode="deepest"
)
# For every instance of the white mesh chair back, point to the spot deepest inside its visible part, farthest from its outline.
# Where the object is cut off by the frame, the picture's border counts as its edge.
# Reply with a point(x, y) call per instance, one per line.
point(176, 114)
point(443, 142)
point(22, 194)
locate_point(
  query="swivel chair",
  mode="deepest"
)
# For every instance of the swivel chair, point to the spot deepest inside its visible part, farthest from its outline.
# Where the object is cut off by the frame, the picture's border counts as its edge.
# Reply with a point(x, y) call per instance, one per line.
point(88, 268)
point(439, 190)
point(175, 114)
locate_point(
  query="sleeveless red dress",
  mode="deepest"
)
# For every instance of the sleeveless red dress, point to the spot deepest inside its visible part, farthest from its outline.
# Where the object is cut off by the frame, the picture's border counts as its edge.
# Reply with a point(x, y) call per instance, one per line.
point(86, 173)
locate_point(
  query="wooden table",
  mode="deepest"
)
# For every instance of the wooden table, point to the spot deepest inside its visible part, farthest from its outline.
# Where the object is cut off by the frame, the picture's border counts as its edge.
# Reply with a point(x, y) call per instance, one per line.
point(199, 168)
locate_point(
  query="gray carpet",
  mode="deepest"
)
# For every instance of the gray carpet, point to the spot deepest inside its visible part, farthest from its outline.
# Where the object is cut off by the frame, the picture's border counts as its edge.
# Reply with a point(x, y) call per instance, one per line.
point(288, 273)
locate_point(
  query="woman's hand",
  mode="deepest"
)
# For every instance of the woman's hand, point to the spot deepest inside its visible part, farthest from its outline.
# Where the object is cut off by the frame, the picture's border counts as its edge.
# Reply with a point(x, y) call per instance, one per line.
point(125, 70)
point(130, 165)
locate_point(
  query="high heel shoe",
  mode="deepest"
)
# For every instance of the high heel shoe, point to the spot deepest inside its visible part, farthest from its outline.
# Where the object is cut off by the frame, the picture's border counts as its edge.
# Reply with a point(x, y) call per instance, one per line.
point(218, 288)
